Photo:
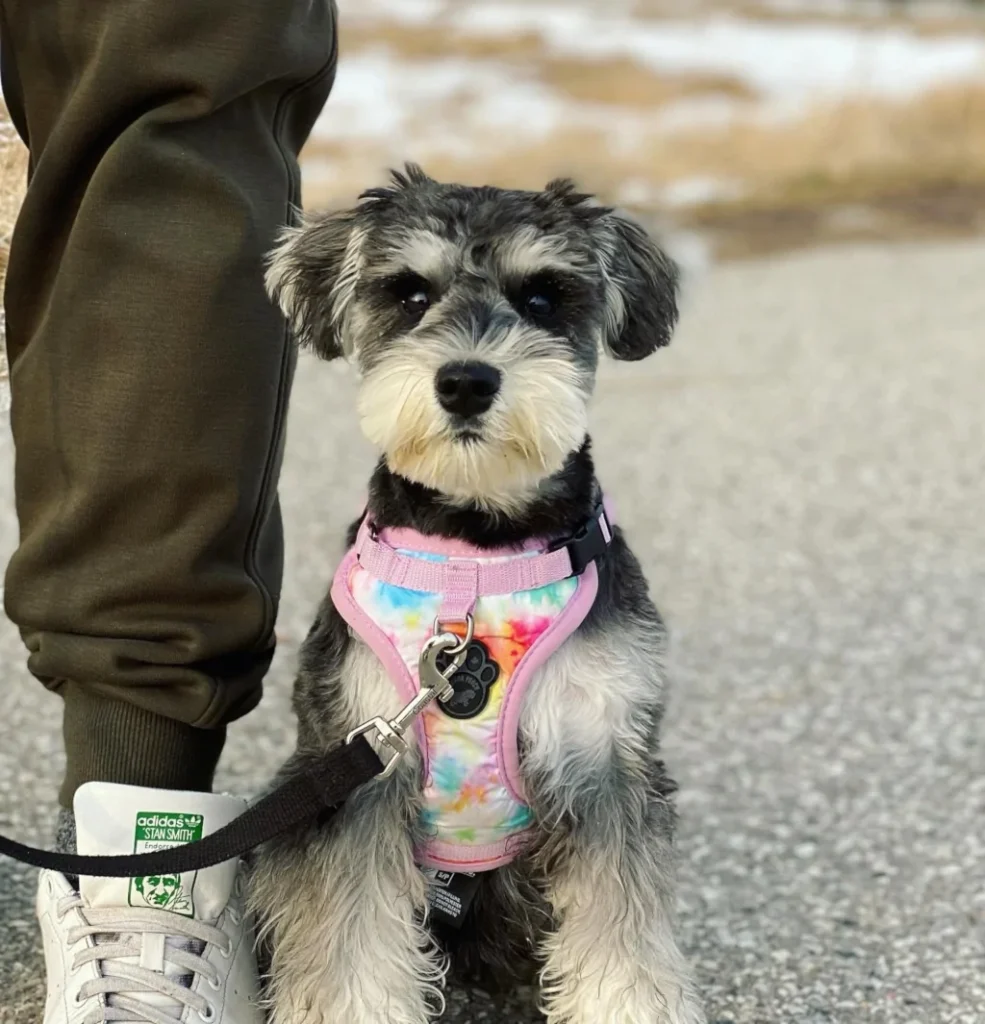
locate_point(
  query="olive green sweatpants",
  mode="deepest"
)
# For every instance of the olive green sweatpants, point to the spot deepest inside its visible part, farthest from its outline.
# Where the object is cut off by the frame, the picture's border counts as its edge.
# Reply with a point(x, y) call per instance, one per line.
point(150, 374)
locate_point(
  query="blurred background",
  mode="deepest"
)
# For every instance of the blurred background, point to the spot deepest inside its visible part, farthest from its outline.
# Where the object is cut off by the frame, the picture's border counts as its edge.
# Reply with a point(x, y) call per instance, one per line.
point(802, 472)
point(764, 124)
point(759, 124)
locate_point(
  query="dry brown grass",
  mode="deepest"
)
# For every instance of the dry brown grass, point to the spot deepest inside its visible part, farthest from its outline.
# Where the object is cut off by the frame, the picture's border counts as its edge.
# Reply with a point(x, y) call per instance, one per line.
point(920, 164)
point(792, 175)
point(438, 40)
point(892, 211)
point(848, 149)
point(623, 82)
point(13, 176)
point(852, 147)
point(858, 170)
point(951, 21)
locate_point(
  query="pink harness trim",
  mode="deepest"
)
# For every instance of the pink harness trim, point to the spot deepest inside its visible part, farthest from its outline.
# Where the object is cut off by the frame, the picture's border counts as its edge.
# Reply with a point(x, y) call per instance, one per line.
point(461, 581)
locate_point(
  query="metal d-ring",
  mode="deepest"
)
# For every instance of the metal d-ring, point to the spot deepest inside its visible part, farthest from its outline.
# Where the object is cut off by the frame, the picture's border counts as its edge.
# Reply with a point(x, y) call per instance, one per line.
point(465, 641)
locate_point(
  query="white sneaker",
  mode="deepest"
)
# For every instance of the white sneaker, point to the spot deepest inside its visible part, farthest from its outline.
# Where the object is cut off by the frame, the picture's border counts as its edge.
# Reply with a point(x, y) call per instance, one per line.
point(157, 950)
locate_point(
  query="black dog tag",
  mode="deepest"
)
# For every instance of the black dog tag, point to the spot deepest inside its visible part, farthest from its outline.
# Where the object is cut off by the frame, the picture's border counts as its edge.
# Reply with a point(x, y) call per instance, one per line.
point(450, 894)
point(471, 682)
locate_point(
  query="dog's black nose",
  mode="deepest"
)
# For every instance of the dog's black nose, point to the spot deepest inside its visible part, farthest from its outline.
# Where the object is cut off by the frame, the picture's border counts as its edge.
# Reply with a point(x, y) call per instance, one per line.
point(467, 389)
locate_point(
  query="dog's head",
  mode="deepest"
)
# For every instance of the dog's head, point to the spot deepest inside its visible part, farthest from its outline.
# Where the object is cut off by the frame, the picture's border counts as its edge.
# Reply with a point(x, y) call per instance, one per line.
point(475, 317)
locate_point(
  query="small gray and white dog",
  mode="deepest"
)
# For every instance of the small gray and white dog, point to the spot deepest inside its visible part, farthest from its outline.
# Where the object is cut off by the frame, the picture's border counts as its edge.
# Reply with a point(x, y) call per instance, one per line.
point(524, 290)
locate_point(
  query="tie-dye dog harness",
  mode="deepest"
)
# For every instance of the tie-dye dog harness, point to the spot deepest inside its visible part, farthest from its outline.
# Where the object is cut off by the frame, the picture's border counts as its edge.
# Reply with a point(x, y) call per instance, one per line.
point(395, 588)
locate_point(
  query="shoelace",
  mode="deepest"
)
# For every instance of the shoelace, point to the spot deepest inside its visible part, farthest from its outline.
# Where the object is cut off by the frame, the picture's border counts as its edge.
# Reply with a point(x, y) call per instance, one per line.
point(119, 982)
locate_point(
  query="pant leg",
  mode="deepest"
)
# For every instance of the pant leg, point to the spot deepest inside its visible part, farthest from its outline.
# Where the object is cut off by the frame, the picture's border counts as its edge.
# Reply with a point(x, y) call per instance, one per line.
point(150, 374)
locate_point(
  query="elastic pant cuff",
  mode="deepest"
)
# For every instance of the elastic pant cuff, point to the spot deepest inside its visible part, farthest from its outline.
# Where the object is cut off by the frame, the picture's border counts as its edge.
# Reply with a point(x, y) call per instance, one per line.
point(110, 740)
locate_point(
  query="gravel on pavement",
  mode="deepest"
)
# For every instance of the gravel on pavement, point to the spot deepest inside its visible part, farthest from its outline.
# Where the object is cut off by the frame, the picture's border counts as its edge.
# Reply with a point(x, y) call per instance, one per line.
point(803, 475)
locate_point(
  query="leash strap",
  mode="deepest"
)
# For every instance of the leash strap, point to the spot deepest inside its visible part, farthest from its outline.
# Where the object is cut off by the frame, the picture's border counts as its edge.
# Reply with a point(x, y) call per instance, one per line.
point(315, 794)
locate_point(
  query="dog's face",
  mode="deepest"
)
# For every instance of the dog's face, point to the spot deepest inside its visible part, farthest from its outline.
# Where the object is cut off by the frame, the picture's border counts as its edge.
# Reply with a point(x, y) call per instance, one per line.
point(475, 317)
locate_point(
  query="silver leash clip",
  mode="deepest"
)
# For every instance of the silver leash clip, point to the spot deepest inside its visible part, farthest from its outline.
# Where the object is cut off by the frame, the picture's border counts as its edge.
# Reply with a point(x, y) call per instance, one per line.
point(434, 685)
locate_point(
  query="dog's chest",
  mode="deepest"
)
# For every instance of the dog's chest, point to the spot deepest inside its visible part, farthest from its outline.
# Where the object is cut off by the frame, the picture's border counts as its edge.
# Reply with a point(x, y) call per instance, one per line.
point(474, 812)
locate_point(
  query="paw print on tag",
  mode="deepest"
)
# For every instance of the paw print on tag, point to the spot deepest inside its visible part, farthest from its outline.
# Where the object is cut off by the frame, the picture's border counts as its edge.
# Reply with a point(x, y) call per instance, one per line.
point(471, 682)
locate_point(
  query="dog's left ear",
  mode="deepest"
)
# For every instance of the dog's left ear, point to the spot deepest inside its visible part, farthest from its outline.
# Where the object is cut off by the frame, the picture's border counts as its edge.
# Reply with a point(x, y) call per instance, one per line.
point(640, 288)
point(312, 274)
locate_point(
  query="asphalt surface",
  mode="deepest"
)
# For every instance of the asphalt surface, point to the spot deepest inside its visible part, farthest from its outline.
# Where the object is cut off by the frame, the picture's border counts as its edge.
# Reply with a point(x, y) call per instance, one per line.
point(802, 474)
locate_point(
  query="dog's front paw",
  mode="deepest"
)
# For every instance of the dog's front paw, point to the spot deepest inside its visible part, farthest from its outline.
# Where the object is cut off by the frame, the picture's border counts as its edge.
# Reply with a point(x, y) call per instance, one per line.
point(643, 1004)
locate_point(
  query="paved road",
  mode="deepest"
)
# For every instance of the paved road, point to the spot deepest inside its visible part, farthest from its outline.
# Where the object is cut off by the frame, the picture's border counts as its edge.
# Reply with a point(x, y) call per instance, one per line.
point(802, 473)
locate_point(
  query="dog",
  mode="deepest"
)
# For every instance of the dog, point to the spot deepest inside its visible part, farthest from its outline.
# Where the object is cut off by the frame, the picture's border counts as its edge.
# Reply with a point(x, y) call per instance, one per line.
point(475, 318)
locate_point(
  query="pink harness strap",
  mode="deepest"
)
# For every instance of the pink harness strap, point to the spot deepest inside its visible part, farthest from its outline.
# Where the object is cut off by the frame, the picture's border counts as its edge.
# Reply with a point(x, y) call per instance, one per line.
point(461, 580)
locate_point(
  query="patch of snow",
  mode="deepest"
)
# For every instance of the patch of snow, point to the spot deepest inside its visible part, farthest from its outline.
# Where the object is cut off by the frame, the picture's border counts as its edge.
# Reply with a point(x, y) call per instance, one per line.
point(685, 192)
point(407, 12)
point(377, 97)
point(786, 61)
point(692, 191)
point(792, 65)
point(457, 104)
point(636, 192)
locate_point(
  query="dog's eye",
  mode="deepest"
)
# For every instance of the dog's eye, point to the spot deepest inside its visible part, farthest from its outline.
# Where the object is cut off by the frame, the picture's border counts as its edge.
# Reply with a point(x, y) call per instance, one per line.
point(540, 306)
point(412, 291)
point(539, 298)
point(417, 303)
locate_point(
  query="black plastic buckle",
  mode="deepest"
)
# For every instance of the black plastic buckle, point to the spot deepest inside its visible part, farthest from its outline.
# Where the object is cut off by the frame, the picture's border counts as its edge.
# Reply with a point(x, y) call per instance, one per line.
point(588, 543)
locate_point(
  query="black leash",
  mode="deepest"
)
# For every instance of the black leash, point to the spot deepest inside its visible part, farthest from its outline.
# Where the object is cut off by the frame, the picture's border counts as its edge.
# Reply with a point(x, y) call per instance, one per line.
point(316, 794)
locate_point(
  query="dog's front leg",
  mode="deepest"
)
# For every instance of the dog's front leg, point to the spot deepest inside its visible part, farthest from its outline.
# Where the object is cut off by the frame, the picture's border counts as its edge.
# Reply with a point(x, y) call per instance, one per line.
point(341, 907)
point(590, 730)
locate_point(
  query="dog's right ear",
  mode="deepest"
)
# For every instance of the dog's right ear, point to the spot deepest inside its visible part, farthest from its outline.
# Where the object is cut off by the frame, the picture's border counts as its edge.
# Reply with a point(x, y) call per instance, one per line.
point(312, 274)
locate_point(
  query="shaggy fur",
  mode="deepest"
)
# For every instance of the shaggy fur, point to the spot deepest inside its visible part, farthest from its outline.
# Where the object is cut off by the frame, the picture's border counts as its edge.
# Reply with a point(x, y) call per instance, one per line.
point(418, 276)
